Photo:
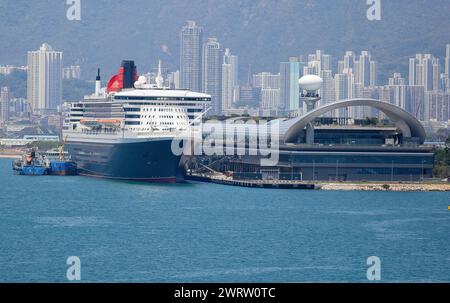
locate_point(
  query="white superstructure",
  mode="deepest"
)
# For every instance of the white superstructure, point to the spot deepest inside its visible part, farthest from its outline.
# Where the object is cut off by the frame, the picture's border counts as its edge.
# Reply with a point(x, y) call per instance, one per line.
point(147, 111)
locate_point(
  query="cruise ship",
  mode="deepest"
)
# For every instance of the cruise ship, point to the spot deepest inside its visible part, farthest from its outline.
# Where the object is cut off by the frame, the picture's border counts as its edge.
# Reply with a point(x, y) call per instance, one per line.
point(125, 131)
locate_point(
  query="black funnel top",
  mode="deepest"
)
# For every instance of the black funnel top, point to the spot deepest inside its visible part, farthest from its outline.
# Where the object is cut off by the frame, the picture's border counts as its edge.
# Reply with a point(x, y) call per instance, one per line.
point(129, 70)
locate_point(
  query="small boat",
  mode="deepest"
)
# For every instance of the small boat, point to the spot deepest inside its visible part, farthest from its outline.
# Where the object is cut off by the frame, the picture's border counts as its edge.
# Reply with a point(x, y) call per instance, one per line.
point(63, 168)
point(31, 164)
point(33, 170)
point(53, 162)
point(61, 165)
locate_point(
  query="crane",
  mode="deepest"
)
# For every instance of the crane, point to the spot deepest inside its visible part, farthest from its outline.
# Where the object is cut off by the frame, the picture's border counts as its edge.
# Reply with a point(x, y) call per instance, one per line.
point(61, 149)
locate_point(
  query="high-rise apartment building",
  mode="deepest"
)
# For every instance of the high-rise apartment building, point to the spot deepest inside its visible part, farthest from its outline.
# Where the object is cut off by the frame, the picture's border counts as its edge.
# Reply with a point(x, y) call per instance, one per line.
point(44, 83)
point(289, 88)
point(343, 85)
point(4, 104)
point(229, 79)
point(415, 101)
point(212, 73)
point(327, 92)
point(72, 72)
point(424, 71)
point(366, 70)
point(266, 80)
point(191, 56)
point(447, 60)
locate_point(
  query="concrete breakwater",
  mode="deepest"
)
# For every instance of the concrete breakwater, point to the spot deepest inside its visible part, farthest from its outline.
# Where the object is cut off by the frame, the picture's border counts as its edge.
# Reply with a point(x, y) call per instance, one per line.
point(9, 156)
point(330, 186)
point(221, 179)
point(400, 187)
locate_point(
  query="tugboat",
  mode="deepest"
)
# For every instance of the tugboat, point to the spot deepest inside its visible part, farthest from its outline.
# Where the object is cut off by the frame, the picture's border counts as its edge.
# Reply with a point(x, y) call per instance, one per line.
point(62, 166)
point(56, 163)
point(31, 164)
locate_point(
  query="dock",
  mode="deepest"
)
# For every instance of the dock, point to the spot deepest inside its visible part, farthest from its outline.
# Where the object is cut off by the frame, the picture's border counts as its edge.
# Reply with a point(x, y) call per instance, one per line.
point(274, 184)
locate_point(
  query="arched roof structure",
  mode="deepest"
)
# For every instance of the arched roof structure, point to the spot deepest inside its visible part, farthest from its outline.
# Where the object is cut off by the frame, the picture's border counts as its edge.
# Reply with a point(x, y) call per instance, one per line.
point(407, 123)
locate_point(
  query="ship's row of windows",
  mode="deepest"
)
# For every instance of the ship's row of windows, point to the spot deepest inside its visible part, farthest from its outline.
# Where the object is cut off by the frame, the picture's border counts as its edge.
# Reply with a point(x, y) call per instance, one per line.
point(133, 116)
point(150, 116)
point(128, 109)
point(174, 104)
point(141, 123)
point(160, 98)
point(163, 123)
point(132, 109)
point(101, 105)
point(148, 129)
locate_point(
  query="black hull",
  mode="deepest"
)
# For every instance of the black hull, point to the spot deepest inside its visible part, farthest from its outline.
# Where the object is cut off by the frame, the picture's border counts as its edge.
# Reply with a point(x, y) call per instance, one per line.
point(146, 161)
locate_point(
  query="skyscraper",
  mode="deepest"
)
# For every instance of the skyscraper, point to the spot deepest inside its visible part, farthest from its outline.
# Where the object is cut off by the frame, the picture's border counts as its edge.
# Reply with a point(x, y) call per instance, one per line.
point(447, 60)
point(397, 89)
point(44, 83)
point(435, 74)
point(349, 60)
point(424, 71)
point(229, 79)
point(412, 71)
point(270, 99)
point(396, 80)
point(343, 84)
point(266, 80)
point(4, 104)
point(72, 72)
point(415, 101)
point(191, 56)
point(212, 73)
point(327, 92)
point(366, 73)
point(289, 88)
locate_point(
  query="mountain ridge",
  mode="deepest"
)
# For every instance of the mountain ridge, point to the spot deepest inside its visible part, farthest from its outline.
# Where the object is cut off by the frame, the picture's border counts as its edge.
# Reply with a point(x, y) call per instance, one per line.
point(262, 33)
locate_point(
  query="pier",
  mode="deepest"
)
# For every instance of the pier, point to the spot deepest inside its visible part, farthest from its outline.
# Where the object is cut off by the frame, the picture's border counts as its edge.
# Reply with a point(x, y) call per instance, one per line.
point(274, 184)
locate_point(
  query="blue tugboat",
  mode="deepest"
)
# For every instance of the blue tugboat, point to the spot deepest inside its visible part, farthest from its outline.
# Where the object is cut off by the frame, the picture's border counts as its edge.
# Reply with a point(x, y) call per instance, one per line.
point(54, 162)
point(31, 164)
point(60, 163)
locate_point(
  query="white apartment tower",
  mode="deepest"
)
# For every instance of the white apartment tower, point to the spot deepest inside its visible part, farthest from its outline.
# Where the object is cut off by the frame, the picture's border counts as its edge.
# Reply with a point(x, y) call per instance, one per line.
point(447, 60)
point(229, 79)
point(212, 73)
point(4, 104)
point(366, 72)
point(44, 83)
point(191, 56)
point(424, 71)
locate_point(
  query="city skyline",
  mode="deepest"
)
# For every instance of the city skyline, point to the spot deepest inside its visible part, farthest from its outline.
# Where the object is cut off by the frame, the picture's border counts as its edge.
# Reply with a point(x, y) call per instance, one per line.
point(205, 65)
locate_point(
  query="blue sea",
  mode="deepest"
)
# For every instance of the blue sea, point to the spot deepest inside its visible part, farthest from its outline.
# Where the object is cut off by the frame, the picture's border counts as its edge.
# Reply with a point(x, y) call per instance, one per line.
point(132, 232)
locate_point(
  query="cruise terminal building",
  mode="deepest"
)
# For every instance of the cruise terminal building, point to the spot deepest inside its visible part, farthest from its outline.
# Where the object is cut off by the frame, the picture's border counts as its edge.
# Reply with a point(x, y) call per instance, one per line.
point(314, 147)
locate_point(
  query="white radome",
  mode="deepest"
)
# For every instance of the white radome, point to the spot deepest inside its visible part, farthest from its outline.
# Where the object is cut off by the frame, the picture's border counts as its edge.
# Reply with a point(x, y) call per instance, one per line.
point(310, 83)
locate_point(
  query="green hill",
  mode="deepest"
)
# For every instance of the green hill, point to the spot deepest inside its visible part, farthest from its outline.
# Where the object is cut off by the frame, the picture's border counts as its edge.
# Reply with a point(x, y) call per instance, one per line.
point(261, 32)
